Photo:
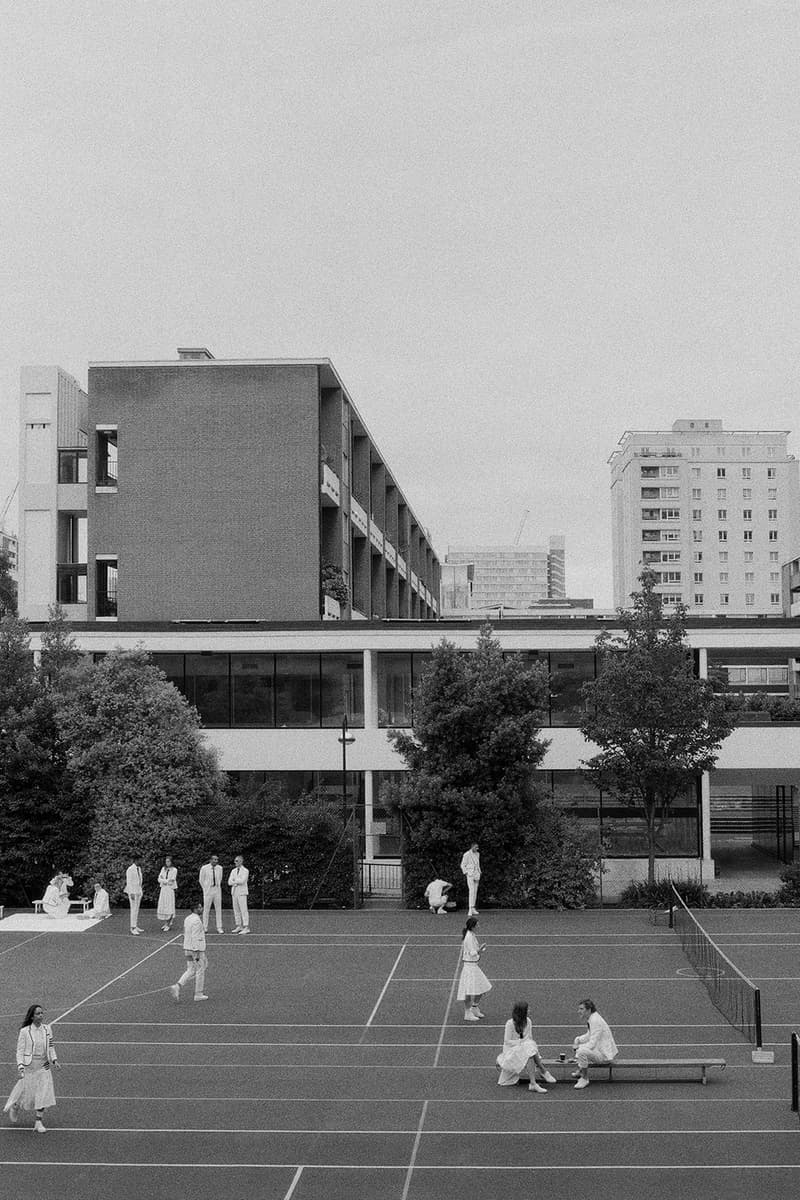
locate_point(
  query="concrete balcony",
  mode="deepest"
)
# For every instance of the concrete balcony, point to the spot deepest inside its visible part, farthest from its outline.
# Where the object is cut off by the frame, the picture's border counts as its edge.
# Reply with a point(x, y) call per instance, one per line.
point(359, 519)
point(375, 535)
point(329, 487)
point(402, 569)
point(414, 581)
point(331, 609)
point(390, 553)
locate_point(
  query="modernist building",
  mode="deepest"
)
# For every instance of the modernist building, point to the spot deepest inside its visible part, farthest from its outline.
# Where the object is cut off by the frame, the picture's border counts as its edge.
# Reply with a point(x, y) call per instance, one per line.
point(514, 577)
point(205, 490)
point(713, 512)
point(9, 544)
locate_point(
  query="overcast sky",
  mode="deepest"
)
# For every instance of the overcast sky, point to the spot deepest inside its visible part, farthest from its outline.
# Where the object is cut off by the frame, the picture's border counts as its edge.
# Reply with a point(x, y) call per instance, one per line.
point(517, 229)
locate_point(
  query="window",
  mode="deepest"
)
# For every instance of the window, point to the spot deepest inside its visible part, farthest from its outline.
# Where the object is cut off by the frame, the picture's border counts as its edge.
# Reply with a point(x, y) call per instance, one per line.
point(772, 472)
point(697, 514)
point(747, 493)
point(696, 452)
point(747, 514)
point(698, 598)
point(723, 576)
point(720, 472)
point(698, 556)
point(670, 493)
point(749, 599)
point(773, 556)
point(723, 556)
point(651, 556)
point(671, 598)
point(748, 556)
point(774, 598)
point(747, 472)
point(697, 535)
point(722, 514)
point(394, 690)
point(669, 472)
point(252, 691)
point(720, 451)
point(695, 472)
point(649, 472)
point(651, 535)
point(772, 514)
point(749, 576)
point(106, 587)
point(722, 535)
point(568, 673)
point(107, 466)
point(651, 514)
point(723, 598)
point(746, 451)
point(772, 493)
point(770, 451)
point(670, 514)
point(697, 493)
point(722, 493)
point(342, 691)
point(650, 493)
point(772, 536)
point(671, 577)
point(748, 535)
point(670, 535)
point(72, 466)
point(774, 576)
point(208, 688)
point(698, 577)
point(670, 556)
point(297, 690)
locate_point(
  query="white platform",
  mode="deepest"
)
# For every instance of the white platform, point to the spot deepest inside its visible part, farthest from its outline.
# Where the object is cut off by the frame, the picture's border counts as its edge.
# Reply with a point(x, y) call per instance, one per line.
point(38, 923)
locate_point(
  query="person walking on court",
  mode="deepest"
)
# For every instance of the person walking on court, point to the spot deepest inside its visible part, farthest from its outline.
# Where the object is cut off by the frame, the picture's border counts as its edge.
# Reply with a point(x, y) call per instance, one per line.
point(194, 949)
point(473, 984)
point(471, 868)
point(211, 883)
point(519, 1050)
point(596, 1046)
point(168, 882)
point(133, 890)
point(237, 882)
point(36, 1057)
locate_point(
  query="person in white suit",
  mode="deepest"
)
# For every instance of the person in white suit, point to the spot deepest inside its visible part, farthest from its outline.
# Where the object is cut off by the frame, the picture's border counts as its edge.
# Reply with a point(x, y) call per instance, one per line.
point(194, 949)
point(596, 1046)
point(101, 909)
point(237, 882)
point(211, 883)
point(133, 890)
point(471, 868)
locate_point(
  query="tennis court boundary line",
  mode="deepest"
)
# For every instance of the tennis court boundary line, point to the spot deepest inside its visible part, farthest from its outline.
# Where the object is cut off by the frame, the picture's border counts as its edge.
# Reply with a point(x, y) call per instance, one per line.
point(472, 1168)
point(116, 978)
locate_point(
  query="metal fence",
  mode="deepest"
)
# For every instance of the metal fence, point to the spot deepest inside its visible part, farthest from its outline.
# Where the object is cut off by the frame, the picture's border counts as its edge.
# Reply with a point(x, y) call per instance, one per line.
point(381, 879)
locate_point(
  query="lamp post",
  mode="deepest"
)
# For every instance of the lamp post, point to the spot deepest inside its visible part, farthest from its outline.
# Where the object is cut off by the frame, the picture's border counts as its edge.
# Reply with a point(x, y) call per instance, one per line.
point(346, 740)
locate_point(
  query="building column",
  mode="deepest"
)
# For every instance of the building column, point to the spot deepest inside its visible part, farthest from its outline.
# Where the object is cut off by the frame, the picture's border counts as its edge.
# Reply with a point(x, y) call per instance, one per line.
point(370, 689)
point(702, 655)
point(705, 819)
point(369, 838)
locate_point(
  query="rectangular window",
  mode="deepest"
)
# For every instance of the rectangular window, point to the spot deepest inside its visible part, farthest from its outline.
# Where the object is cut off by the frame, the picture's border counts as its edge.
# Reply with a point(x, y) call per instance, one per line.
point(671, 576)
point(697, 535)
point(342, 689)
point(722, 493)
point(697, 493)
point(670, 514)
point(722, 514)
point(252, 691)
point(208, 688)
point(669, 556)
point(651, 514)
point(747, 493)
point(696, 452)
point(772, 493)
point(748, 535)
point(748, 556)
point(772, 514)
point(173, 667)
point(695, 472)
point(297, 690)
point(107, 465)
point(723, 599)
point(670, 535)
point(747, 514)
point(774, 576)
point(746, 451)
point(723, 576)
point(737, 674)
point(651, 556)
point(723, 556)
point(749, 576)
point(649, 472)
point(698, 555)
point(669, 472)
point(650, 493)
point(394, 690)
point(772, 536)
point(697, 514)
point(72, 466)
point(698, 577)
point(651, 535)
point(568, 673)
point(698, 598)
point(670, 493)
point(720, 451)
point(671, 598)
point(747, 472)
point(773, 556)
point(770, 451)
point(722, 535)
point(106, 576)
point(774, 598)
point(720, 472)
point(772, 472)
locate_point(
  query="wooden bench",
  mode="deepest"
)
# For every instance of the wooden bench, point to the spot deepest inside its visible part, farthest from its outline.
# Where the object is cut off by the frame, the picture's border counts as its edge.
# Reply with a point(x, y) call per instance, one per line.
point(648, 1064)
point(84, 905)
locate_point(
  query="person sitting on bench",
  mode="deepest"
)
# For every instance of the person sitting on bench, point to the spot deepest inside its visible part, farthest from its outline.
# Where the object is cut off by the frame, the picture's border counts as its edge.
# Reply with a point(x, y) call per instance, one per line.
point(596, 1046)
point(100, 906)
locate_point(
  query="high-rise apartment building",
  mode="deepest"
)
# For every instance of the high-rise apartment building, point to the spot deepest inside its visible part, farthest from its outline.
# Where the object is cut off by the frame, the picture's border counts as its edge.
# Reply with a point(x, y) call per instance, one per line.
point(206, 490)
point(713, 512)
point(511, 576)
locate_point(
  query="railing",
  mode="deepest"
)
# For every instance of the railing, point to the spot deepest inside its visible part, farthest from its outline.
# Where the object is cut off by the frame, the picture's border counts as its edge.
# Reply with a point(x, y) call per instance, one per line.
point(381, 879)
point(795, 1045)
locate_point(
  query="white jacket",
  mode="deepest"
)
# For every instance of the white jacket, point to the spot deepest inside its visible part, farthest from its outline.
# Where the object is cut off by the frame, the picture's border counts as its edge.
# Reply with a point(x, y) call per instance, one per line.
point(25, 1045)
point(133, 880)
point(207, 874)
point(237, 881)
point(598, 1038)
point(194, 936)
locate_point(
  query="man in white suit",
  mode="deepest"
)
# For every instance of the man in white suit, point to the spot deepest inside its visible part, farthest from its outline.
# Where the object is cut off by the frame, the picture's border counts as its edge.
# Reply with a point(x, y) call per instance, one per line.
point(471, 868)
point(194, 949)
point(211, 883)
point(237, 882)
point(133, 890)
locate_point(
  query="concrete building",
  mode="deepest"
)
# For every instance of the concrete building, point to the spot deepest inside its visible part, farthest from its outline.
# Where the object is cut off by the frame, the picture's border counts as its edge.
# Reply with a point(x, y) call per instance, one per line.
point(9, 544)
point(514, 577)
point(713, 512)
point(204, 490)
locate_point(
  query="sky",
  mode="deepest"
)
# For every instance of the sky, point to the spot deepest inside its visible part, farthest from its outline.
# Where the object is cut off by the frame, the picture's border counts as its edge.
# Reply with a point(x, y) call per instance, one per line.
point(517, 229)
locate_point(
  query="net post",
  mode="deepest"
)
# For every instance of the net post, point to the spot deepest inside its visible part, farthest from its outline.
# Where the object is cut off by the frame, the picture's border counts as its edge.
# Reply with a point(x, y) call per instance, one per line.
point(757, 1007)
point(795, 1071)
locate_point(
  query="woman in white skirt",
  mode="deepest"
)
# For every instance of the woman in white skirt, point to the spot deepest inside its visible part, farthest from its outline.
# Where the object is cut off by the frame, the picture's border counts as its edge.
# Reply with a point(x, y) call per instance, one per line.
point(168, 882)
point(473, 983)
point(519, 1049)
point(36, 1057)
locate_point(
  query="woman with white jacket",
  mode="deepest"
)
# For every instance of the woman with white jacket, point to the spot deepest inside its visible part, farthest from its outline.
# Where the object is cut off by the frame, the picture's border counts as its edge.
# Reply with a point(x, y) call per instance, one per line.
point(36, 1056)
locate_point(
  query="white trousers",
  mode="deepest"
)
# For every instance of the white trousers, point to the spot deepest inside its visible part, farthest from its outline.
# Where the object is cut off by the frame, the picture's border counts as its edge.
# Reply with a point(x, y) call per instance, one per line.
point(472, 887)
point(135, 901)
point(240, 915)
point(196, 971)
point(212, 897)
point(586, 1057)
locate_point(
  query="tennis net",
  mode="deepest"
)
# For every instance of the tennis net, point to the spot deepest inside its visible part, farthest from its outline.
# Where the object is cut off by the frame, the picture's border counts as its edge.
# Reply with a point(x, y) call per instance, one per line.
point(731, 992)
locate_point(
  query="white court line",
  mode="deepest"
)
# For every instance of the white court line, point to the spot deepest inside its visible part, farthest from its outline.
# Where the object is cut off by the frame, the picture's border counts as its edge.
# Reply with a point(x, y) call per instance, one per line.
point(387, 1025)
point(443, 1028)
point(117, 977)
point(236, 1131)
point(385, 986)
point(294, 1182)
point(371, 1100)
point(17, 945)
point(348, 1166)
point(414, 1151)
point(579, 978)
point(279, 1064)
point(376, 1045)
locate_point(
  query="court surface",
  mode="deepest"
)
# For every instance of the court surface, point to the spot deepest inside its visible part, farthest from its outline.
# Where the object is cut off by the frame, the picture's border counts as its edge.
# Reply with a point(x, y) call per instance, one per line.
point(332, 1060)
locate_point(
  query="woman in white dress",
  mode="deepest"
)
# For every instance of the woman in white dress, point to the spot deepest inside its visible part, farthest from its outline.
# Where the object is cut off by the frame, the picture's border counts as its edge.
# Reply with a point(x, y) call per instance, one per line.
point(36, 1057)
point(473, 983)
point(519, 1049)
point(168, 881)
point(55, 903)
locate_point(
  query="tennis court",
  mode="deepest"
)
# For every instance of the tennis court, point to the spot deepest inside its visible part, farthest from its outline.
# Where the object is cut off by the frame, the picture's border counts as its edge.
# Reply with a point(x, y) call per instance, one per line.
point(331, 1060)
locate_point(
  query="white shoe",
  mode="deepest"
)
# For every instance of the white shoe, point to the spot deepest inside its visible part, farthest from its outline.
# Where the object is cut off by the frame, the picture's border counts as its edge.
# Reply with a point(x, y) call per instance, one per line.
point(136, 932)
point(175, 991)
point(220, 931)
point(575, 1075)
point(245, 930)
point(165, 928)
point(470, 1016)
point(582, 1083)
point(533, 1086)
point(548, 1078)
point(478, 1012)
point(202, 996)
point(237, 929)
point(39, 1127)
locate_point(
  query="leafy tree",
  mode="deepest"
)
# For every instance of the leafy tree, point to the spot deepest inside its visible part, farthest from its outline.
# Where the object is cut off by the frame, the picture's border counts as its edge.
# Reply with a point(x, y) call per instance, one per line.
point(657, 725)
point(471, 761)
point(138, 763)
point(60, 654)
point(8, 585)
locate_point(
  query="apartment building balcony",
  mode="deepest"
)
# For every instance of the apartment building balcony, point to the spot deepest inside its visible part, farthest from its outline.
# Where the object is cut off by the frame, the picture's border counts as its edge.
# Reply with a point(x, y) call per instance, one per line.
point(402, 569)
point(359, 519)
point(390, 553)
point(375, 535)
point(331, 609)
point(330, 487)
point(414, 581)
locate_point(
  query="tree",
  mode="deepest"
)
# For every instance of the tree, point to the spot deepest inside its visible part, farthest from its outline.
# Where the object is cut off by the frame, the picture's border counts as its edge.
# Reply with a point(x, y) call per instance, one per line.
point(8, 585)
point(139, 765)
point(60, 654)
point(471, 760)
point(657, 725)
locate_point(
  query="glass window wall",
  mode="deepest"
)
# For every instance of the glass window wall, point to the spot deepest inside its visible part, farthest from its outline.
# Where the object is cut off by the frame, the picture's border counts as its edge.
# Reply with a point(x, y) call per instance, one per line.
point(208, 688)
point(252, 690)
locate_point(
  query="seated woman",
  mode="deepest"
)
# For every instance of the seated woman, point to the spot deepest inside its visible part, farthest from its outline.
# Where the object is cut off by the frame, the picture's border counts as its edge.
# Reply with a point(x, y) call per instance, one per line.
point(519, 1049)
point(53, 903)
point(100, 906)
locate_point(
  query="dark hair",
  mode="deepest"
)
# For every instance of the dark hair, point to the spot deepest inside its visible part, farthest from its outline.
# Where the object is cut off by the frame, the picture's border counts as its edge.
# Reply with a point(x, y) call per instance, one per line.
point(590, 1004)
point(468, 928)
point(28, 1019)
point(519, 1015)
